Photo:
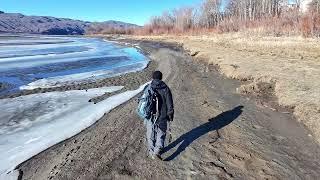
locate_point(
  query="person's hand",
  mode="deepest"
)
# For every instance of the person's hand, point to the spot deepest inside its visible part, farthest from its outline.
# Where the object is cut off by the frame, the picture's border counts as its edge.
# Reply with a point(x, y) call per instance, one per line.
point(170, 117)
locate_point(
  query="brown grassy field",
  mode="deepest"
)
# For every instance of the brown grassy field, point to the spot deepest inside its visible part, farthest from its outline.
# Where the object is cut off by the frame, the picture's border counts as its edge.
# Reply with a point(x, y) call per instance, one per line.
point(288, 67)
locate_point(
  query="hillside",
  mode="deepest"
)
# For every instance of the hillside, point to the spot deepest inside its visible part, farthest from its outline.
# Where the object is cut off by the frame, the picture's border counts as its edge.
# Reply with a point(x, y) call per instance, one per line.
point(19, 23)
point(111, 27)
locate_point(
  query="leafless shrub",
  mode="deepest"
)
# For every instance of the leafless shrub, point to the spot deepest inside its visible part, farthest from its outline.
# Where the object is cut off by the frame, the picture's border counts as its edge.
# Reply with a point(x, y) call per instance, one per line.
point(271, 17)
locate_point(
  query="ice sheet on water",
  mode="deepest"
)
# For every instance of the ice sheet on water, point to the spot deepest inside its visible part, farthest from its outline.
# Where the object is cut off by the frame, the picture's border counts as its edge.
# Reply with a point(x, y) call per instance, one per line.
point(84, 77)
point(28, 41)
point(44, 61)
point(34, 54)
point(55, 117)
point(35, 57)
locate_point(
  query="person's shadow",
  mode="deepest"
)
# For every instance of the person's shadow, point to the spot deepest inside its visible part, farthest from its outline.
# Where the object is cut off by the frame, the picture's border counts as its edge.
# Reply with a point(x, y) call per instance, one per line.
point(215, 123)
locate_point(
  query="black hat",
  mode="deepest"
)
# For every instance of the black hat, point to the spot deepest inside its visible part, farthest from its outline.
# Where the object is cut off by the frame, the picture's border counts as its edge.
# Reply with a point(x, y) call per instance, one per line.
point(157, 75)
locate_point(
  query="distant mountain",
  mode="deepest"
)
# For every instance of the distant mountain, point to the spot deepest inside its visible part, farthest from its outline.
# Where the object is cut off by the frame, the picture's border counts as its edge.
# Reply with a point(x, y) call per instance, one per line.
point(115, 24)
point(19, 23)
point(111, 27)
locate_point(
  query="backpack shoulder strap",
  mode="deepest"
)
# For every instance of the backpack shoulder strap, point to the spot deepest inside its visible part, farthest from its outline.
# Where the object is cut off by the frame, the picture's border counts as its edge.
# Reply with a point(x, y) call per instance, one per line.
point(147, 87)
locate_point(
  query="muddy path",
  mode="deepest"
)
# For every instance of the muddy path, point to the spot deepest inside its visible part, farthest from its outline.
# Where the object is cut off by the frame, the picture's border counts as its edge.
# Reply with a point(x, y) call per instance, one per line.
point(217, 134)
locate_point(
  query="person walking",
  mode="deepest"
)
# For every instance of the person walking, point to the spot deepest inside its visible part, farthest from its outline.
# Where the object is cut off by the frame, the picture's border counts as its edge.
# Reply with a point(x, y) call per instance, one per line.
point(163, 112)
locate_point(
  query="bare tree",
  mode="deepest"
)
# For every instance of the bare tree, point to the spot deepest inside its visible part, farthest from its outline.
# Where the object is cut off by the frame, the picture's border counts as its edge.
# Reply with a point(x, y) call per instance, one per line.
point(314, 6)
point(211, 15)
point(255, 9)
point(276, 16)
point(168, 20)
point(184, 18)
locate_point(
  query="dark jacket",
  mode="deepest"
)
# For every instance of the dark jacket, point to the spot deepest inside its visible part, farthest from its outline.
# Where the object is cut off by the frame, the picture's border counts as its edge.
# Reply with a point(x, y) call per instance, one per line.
point(165, 103)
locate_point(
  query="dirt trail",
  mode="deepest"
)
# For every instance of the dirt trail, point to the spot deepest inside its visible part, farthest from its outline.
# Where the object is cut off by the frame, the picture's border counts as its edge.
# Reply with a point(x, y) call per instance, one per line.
point(217, 134)
point(288, 67)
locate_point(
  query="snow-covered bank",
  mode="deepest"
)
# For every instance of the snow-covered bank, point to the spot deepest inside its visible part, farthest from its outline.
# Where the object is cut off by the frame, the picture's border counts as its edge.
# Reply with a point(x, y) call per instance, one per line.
point(36, 122)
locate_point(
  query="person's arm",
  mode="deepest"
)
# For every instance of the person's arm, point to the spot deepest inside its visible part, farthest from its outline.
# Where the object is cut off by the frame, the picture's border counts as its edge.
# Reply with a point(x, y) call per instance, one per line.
point(170, 107)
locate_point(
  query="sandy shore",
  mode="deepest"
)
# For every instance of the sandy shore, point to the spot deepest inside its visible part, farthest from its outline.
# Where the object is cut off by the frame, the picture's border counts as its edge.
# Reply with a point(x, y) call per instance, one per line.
point(214, 137)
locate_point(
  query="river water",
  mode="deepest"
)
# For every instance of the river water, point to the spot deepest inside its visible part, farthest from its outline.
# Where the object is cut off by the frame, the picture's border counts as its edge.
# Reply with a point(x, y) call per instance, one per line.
point(29, 62)
point(32, 123)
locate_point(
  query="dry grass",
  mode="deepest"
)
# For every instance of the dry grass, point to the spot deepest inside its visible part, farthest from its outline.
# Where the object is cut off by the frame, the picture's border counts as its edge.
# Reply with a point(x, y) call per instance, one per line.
point(290, 64)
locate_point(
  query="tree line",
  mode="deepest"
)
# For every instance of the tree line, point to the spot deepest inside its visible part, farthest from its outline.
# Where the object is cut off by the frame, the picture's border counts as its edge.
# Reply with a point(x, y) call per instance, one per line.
point(279, 17)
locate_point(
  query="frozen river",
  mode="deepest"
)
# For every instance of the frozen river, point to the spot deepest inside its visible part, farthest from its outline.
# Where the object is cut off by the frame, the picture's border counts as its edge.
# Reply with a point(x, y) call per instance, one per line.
point(28, 62)
point(32, 123)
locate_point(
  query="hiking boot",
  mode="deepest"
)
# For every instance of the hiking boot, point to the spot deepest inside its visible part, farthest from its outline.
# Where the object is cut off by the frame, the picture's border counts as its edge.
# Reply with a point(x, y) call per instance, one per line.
point(161, 151)
point(158, 157)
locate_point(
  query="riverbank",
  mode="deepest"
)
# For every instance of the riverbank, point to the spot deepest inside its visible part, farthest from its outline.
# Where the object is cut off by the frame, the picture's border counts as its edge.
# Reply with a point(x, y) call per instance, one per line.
point(225, 135)
point(30, 119)
point(287, 67)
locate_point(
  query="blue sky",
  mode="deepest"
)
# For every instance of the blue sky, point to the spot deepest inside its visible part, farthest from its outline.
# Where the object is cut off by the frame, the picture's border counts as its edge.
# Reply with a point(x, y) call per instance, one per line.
point(133, 11)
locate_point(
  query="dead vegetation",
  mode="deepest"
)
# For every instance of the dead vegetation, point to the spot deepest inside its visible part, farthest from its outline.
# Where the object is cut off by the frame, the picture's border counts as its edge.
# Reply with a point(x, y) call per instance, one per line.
point(265, 17)
point(277, 18)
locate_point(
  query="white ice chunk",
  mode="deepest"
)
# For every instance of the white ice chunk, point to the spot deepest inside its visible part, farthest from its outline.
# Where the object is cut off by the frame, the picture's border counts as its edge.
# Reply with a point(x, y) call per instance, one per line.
point(13, 175)
point(47, 119)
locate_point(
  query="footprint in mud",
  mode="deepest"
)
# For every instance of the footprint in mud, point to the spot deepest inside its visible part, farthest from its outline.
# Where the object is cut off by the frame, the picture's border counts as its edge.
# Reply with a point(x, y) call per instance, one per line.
point(254, 126)
point(259, 167)
point(68, 159)
point(216, 168)
point(205, 104)
point(54, 171)
point(245, 162)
